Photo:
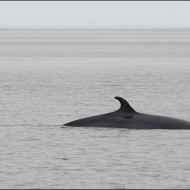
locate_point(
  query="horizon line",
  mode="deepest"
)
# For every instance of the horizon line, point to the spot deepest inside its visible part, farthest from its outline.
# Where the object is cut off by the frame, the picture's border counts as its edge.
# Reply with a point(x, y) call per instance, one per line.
point(96, 28)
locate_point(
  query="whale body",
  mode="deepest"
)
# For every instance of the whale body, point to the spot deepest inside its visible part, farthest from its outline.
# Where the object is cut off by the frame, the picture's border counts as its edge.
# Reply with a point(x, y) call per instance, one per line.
point(127, 117)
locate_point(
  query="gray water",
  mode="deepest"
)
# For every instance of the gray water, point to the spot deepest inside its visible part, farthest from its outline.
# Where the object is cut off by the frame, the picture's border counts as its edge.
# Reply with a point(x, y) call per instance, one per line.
point(50, 77)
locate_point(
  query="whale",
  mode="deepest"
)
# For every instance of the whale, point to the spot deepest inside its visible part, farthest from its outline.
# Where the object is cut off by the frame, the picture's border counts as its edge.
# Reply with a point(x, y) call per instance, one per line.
point(127, 117)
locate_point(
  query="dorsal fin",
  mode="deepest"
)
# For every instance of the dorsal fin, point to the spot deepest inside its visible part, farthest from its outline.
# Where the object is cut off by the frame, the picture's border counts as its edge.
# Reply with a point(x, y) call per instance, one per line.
point(125, 107)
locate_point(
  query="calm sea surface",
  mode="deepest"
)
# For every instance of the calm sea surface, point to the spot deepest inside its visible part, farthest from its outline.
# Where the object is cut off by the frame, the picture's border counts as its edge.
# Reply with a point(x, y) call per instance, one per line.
point(50, 77)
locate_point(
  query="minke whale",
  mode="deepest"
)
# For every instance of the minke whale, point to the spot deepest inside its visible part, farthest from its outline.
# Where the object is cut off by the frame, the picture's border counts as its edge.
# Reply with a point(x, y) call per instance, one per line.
point(127, 117)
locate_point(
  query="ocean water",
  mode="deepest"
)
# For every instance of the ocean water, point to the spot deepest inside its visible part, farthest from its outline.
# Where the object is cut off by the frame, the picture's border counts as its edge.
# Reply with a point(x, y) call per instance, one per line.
point(51, 77)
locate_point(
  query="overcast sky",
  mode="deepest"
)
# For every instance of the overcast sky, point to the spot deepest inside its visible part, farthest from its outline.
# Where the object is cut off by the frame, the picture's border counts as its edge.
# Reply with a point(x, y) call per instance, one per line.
point(107, 14)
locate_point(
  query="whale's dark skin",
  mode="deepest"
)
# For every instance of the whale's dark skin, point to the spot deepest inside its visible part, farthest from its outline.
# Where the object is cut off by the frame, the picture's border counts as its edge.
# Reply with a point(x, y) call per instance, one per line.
point(127, 117)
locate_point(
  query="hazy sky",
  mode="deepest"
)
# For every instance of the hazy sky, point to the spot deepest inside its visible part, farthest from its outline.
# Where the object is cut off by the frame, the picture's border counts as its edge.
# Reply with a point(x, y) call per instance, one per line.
point(107, 14)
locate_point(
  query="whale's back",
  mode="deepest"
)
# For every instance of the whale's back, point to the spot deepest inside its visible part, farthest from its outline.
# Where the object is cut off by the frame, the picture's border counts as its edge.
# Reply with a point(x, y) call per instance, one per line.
point(127, 117)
